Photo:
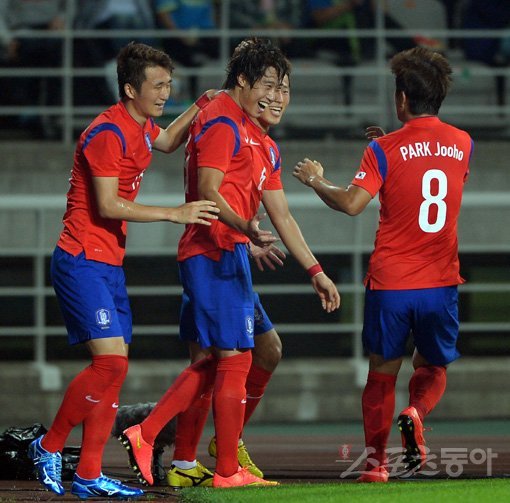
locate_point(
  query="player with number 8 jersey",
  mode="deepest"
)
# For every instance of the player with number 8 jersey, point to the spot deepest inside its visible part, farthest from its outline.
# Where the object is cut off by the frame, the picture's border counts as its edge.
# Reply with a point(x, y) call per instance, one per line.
point(419, 173)
point(420, 192)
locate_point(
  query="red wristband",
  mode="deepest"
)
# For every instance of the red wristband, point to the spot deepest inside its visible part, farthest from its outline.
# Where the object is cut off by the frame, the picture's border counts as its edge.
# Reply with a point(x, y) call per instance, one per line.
point(202, 101)
point(314, 270)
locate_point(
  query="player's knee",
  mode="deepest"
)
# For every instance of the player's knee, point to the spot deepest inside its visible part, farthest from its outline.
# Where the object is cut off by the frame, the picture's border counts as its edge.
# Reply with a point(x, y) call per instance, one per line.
point(268, 356)
point(119, 368)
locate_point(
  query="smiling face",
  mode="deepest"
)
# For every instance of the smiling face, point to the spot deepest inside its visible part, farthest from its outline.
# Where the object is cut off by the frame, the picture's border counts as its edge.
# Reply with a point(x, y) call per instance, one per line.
point(273, 112)
point(150, 100)
point(265, 91)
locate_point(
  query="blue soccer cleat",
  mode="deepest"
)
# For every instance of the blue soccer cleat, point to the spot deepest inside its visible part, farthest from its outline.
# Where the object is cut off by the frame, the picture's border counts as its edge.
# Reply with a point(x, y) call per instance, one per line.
point(48, 465)
point(103, 487)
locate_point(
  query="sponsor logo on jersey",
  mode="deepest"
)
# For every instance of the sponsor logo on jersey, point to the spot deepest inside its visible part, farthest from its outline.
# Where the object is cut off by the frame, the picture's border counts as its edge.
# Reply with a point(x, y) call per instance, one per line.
point(250, 141)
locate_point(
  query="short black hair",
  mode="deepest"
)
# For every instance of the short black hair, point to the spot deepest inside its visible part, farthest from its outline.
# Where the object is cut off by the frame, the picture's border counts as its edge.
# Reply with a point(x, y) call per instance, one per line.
point(424, 76)
point(132, 61)
point(251, 58)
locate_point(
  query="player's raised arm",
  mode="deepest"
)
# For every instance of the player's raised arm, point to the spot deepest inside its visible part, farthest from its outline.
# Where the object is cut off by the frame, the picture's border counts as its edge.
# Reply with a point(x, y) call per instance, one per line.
point(174, 135)
point(351, 199)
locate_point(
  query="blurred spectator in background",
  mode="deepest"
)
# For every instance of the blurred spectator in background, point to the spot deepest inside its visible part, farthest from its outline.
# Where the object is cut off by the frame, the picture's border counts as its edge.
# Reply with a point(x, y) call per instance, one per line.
point(192, 15)
point(32, 52)
point(339, 15)
point(366, 12)
point(275, 15)
point(484, 15)
point(101, 52)
point(343, 51)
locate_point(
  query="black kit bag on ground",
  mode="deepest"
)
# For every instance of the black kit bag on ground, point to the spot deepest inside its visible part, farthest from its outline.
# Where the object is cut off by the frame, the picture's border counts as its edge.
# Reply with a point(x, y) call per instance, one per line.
point(14, 460)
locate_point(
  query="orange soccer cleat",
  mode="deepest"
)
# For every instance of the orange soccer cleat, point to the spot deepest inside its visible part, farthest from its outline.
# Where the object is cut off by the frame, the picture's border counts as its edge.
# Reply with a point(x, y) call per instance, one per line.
point(377, 474)
point(411, 430)
point(242, 478)
point(140, 453)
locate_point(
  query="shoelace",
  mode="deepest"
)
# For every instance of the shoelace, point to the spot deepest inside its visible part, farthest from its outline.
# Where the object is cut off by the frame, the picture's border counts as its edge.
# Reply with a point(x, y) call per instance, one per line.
point(247, 458)
point(55, 465)
point(114, 482)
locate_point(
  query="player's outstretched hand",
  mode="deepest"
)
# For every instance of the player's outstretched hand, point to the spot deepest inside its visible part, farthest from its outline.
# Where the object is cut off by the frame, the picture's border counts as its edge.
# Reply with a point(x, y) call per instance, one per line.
point(269, 256)
point(327, 291)
point(373, 132)
point(258, 236)
point(196, 212)
point(306, 169)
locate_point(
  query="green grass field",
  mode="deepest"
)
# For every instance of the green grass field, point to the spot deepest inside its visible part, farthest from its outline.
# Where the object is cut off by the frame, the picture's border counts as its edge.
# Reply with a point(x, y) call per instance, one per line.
point(433, 491)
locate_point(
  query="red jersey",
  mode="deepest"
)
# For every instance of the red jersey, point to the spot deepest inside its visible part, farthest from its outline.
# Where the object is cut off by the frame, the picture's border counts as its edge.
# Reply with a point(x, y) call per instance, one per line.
point(419, 172)
point(223, 137)
point(113, 145)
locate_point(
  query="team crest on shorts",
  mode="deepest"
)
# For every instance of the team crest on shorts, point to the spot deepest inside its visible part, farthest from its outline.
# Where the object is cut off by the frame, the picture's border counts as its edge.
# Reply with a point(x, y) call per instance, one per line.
point(103, 318)
point(249, 325)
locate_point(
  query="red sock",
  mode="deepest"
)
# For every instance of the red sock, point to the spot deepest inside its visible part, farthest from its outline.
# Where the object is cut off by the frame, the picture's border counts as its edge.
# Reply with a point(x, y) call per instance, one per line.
point(378, 404)
point(97, 428)
point(188, 386)
point(190, 425)
point(426, 388)
point(229, 399)
point(256, 383)
point(83, 395)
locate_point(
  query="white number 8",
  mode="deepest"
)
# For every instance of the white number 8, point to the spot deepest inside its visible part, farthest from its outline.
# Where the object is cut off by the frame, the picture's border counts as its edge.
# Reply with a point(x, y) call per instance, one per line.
point(429, 200)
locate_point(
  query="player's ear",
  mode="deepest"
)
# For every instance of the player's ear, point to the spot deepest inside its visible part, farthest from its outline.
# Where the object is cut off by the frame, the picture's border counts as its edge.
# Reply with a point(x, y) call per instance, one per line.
point(130, 91)
point(400, 99)
point(242, 82)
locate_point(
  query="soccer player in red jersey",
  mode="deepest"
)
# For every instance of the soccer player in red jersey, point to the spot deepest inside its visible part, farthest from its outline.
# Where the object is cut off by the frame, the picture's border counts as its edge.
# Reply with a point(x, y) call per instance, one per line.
point(229, 161)
point(110, 160)
point(419, 172)
point(266, 354)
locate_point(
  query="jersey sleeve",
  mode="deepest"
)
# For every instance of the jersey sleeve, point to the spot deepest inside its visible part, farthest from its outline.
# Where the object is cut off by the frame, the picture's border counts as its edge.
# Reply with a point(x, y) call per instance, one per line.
point(217, 142)
point(104, 147)
point(274, 181)
point(372, 171)
point(155, 130)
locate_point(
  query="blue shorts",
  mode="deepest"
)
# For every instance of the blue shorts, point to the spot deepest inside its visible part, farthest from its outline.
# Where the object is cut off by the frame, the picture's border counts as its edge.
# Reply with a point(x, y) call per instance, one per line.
point(92, 297)
point(219, 306)
point(188, 329)
point(430, 314)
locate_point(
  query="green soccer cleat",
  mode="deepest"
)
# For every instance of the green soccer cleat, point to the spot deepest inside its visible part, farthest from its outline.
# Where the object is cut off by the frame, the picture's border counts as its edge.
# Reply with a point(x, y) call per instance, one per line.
point(243, 458)
point(198, 476)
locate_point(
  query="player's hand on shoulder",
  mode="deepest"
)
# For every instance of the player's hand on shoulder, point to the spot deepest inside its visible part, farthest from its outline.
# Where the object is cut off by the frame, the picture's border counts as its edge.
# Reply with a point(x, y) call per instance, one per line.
point(268, 256)
point(196, 212)
point(306, 170)
point(374, 132)
point(327, 291)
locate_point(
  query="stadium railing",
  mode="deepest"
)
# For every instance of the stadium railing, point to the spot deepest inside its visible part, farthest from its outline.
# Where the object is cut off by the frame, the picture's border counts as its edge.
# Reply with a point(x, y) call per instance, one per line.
point(41, 210)
point(475, 82)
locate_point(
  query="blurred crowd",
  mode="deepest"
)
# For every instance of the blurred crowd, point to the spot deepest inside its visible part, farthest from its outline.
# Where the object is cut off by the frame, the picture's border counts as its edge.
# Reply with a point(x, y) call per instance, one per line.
point(194, 49)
